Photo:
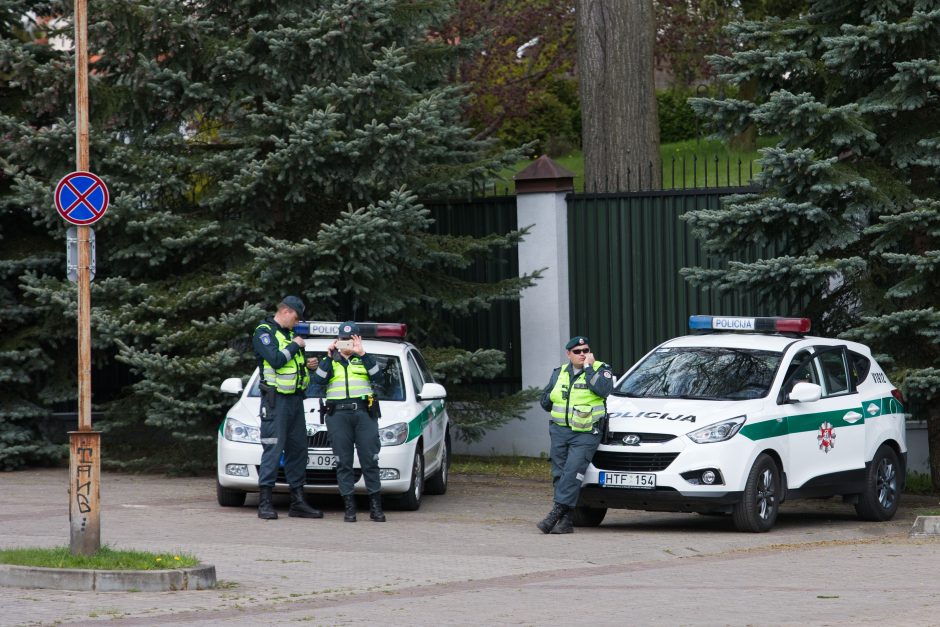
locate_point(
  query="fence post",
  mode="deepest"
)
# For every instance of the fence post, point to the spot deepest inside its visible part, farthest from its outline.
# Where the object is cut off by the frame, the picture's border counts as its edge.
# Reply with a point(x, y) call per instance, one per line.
point(541, 189)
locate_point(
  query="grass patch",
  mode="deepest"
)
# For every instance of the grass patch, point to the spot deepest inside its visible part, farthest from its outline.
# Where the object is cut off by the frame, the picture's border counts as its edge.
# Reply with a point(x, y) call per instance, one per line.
point(918, 483)
point(683, 166)
point(105, 559)
point(503, 466)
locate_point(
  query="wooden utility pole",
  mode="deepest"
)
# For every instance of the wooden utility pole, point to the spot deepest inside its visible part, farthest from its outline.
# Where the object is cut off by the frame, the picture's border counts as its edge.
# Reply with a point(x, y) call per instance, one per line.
point(84, 444)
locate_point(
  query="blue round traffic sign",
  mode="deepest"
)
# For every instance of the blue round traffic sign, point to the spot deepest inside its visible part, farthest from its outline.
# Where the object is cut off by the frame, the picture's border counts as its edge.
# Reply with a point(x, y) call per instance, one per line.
point(81, 198)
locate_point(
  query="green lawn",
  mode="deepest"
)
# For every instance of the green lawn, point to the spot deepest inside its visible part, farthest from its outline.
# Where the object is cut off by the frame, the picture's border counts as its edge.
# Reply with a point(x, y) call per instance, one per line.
point(105, 559)
point(685, 164)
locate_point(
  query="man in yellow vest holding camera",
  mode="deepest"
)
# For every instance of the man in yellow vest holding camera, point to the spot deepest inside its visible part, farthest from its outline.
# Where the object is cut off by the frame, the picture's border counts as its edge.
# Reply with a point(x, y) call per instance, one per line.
point(576, 398)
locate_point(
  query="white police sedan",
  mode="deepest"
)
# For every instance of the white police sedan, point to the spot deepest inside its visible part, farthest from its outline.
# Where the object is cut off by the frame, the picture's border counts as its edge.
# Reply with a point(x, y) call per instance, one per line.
point(414, 428)
point(743, 414)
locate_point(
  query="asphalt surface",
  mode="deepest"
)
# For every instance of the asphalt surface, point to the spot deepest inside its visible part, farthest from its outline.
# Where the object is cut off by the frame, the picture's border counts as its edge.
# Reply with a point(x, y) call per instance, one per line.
point(474, 557)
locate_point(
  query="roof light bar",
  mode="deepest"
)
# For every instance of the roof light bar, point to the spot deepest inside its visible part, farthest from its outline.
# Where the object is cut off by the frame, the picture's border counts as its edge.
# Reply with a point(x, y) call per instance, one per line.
point(367, 329)
point(751, 325)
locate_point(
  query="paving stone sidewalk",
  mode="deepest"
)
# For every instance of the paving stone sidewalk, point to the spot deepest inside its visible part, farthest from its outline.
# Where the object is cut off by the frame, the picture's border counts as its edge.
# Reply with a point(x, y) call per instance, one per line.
point(474, 556)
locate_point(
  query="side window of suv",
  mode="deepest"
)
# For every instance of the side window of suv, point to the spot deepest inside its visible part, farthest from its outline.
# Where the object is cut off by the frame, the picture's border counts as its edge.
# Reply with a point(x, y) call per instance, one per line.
point(859, 365)
point(415, 372)
point(801, 369)
point(834, 372)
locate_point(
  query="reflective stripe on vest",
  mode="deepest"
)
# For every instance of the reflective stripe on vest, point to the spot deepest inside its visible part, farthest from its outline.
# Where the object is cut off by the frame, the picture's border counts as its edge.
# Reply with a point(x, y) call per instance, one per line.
point(350, 381)
point(287, 379)
point(574, 404)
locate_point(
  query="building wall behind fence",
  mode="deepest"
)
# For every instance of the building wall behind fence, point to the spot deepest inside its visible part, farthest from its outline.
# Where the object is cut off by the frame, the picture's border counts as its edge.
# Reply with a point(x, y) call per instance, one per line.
point(499, 327)
point(625, 252)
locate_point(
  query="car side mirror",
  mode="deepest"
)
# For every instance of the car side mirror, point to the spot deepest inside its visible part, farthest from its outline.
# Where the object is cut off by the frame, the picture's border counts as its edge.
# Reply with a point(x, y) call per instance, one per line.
point(431, 392)
point(232, 386)
point(805, 393)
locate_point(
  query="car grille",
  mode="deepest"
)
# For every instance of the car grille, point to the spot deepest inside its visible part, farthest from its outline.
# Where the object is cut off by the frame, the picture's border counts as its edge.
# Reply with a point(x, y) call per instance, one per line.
point(320, 439)
point(633, 462)
point(317, 477)
point(616, 437)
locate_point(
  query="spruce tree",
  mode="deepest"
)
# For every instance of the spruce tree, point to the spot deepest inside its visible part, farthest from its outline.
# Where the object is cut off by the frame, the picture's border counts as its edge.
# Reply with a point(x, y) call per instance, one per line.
point(252, 149)
point(850, 89)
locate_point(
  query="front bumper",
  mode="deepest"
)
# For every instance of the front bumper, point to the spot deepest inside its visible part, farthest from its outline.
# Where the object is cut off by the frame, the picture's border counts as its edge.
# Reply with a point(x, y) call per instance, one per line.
point(668, 461)
point(317, 481)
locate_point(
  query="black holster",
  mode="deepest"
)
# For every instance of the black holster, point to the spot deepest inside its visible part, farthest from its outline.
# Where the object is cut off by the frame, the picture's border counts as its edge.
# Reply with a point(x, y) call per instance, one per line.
point(268, 398)
point(375, 412)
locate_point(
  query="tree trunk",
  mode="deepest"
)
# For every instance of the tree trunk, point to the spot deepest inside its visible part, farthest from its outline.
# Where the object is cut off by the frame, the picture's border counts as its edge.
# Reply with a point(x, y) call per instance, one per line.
point(619, 120)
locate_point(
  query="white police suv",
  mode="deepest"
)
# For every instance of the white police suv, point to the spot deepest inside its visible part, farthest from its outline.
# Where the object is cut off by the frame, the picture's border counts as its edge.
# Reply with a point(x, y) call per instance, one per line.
point(413, 428)
point(743, 414)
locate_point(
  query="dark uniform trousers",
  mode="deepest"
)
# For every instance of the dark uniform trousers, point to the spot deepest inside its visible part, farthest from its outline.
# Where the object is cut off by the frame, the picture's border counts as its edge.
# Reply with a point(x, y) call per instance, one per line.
point(284, 429)
point(571, 453)
point(355, 427)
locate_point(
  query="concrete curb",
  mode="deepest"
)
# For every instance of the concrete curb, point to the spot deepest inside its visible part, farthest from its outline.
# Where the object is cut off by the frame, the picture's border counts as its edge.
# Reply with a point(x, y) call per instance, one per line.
point(195, 578)
point(926, 527)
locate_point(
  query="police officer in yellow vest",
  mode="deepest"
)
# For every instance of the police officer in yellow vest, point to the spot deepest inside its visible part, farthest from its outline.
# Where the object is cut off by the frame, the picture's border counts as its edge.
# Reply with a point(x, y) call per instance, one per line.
point(284, 380)
point(575, 397)
point(349, 375)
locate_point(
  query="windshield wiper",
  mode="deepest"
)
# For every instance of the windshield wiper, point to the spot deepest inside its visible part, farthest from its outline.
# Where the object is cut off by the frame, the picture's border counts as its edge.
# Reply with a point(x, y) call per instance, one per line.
point(693, 397)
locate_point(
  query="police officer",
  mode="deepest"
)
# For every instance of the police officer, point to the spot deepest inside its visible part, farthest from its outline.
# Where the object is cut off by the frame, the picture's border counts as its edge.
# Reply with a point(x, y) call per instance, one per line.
point(575, 396)
point(352, 416)
point(284, 378)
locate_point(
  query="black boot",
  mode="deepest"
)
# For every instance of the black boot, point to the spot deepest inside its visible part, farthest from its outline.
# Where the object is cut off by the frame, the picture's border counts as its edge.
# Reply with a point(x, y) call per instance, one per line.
point(565, 525)
point(375, 508)
point(265, 506)
point(548, 523)
point(299, 507)
point(350, 503)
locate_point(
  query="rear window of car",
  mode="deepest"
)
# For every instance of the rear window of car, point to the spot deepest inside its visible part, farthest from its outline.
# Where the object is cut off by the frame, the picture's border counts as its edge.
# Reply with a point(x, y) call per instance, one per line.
point(859, 365)
point(706, 373)
point(390, 388)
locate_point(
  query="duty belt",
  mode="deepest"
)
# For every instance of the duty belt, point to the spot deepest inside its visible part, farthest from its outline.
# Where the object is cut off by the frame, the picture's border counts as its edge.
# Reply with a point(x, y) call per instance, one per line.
point(350, 406)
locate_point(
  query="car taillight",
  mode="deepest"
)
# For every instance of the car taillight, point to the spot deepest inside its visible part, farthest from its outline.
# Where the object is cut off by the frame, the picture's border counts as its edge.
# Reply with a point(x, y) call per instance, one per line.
point(896, 393)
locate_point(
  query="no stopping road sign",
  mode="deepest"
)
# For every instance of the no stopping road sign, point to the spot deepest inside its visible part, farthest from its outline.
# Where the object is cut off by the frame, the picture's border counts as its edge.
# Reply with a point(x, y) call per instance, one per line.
point(81, 198)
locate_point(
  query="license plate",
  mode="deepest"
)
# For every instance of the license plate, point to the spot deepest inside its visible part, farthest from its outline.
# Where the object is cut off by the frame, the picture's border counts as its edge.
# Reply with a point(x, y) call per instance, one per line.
point(316, 460)
point(627, 480)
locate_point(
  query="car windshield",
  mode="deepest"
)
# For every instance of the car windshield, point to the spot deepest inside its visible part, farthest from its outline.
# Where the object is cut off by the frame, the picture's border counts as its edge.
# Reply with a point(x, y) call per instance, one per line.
point(707, 373)
point(391, 387)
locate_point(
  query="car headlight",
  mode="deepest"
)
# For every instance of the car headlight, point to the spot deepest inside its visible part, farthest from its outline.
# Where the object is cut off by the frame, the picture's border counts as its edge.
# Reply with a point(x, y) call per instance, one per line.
point(393, 435)
point(237, 431)
point(718, 432)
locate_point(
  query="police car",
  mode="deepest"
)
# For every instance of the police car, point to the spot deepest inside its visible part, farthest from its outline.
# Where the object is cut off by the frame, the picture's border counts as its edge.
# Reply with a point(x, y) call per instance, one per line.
point(413, 428)
point(744, 414)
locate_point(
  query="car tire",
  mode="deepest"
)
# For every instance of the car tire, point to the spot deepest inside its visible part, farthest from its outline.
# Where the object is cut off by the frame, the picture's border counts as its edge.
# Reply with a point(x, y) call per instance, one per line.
point(437, 483)
point(228, 497)
point(760, 503)
point(584, 516)
point(881, 497)
point(411, 500)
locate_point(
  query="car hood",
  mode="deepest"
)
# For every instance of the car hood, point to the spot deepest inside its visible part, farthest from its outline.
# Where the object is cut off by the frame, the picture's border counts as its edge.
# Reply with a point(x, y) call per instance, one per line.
point(247, 408)
point(673, 416)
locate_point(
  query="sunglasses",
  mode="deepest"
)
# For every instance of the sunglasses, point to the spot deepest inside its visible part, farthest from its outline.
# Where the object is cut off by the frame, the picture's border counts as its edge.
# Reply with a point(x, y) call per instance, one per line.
point(581, 351)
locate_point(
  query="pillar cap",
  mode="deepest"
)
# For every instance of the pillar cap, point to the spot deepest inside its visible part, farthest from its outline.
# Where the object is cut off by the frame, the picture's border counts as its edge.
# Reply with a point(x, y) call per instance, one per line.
point(544, 175)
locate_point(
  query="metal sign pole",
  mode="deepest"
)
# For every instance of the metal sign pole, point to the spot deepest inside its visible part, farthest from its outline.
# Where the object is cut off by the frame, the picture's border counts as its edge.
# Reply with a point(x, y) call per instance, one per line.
point(84, 444)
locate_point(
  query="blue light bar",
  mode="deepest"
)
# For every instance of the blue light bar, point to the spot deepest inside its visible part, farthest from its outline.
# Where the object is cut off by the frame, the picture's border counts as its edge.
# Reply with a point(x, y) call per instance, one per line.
point(752, 325)
point(367, 329)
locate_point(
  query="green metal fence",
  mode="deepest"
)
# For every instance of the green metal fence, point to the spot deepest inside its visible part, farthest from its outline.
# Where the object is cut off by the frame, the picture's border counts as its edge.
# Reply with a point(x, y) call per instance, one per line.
point(499, 327)
point(625, 251)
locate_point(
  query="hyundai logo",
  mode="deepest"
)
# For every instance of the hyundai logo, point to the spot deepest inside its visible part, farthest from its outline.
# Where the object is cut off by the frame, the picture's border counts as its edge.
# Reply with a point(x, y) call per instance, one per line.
point(631, 439)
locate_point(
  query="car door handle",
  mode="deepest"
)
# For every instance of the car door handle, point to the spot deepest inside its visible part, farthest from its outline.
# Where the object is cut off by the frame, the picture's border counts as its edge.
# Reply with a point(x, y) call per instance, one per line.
point(852, 417)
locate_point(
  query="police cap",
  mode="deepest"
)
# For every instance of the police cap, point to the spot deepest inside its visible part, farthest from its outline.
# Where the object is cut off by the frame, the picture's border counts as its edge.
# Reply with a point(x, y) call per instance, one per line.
point(348, 329)
point(577, 340)
point(294, 303)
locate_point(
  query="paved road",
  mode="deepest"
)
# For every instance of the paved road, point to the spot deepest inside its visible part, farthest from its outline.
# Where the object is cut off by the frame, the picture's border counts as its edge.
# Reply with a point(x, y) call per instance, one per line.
point(474, 557)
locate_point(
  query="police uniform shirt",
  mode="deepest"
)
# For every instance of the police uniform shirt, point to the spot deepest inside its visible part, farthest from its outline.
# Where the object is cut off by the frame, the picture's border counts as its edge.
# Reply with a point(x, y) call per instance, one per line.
point(324, 370)
point(265, 345)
